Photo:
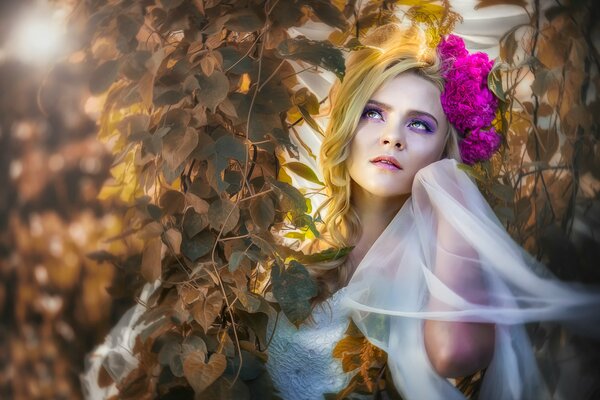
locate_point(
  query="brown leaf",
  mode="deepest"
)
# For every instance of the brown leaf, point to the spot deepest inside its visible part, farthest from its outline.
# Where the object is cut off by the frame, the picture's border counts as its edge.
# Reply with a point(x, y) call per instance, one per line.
point(151, 261)
point(178, 145)
point(172, 237)
point(172, 202)
point(201, 375)
point(206, 309)
point(199, 205)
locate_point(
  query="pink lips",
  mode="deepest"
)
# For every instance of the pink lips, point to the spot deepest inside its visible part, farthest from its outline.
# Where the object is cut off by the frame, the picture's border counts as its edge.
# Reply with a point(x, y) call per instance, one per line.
point(387, 162)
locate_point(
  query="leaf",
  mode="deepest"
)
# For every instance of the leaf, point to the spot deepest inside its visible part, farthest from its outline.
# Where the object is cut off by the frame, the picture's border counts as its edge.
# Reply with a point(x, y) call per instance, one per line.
point(213, 89)
point(172, 202)
point(178, 144)
point(348, 345)
point(207, 309)
point(330, 254)
point(234, 60)
point(495, 82)
point(172, 237)
point(244, 20)
point(198, 204)
point(168, 98)
point(223, 214)
point(194, 223)
point(262, 212)
point(289, 197)
point(197, 246)
point(273, 98)
point(235, 259)
point(230, 146)
point(193, 344)
point(293, 288)
point(303, 171)
point(151, 260)
point(328, 13)
point(103, 76)
point(201, 375)
point(315, 52)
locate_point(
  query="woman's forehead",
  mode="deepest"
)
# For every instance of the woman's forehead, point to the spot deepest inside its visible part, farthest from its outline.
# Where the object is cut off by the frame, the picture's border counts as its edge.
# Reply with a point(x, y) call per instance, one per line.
point(409, 90)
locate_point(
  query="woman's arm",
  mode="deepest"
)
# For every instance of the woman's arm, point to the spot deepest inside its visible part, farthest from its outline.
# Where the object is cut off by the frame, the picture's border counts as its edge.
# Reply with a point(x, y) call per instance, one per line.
point(458, 349)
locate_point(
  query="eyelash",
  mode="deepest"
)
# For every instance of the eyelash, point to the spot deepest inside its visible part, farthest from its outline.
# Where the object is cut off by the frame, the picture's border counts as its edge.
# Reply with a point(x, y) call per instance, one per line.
point(380, 113)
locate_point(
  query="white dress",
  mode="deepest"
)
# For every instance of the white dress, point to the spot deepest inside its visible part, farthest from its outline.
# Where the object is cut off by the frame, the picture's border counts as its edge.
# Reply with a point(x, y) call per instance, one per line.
point(300, 362)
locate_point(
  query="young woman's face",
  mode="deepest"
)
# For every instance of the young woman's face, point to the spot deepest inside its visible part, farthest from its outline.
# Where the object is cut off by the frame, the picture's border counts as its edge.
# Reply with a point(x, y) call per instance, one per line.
point(401, 130)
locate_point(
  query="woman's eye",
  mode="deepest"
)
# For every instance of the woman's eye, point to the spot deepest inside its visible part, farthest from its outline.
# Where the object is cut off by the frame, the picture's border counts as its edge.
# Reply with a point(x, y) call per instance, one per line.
point(420, 125)
point(372, 114)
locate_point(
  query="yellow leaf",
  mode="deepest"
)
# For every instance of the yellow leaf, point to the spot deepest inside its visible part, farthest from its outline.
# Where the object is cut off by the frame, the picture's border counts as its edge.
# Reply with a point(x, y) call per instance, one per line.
point(244, 83)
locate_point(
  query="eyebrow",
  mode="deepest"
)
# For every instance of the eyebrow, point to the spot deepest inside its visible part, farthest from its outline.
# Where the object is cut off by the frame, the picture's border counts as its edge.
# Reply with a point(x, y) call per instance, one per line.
point(389, 108)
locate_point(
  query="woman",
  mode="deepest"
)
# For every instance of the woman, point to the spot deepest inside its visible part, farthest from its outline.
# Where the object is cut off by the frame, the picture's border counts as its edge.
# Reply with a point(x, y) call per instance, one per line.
point(433, 278)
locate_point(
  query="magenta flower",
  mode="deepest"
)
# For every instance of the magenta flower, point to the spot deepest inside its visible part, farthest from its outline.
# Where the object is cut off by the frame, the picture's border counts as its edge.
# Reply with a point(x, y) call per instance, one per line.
point(467, 101)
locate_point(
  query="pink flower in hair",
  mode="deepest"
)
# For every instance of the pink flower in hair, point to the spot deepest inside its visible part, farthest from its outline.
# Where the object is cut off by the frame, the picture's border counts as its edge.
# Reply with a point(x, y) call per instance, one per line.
point(467, 101)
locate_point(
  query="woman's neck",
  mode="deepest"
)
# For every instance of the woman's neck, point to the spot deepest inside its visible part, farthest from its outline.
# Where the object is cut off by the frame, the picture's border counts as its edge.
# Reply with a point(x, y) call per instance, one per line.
point(375, 214)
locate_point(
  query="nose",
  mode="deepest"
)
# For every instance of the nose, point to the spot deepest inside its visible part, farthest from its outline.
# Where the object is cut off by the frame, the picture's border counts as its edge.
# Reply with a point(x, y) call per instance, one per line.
point(392, 137)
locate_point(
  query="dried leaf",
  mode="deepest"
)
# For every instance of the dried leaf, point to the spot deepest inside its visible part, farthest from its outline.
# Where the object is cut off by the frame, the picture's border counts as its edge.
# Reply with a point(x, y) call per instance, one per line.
point(178, 144)
point(213, 89)
point(172, 237)
point(151, 260)
point(197, 246)
point(207, 309)
point(201, 375)
point(223, 214)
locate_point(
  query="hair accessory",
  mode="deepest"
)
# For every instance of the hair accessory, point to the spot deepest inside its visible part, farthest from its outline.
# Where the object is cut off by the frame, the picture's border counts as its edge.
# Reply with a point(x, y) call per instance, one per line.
point(467, 101)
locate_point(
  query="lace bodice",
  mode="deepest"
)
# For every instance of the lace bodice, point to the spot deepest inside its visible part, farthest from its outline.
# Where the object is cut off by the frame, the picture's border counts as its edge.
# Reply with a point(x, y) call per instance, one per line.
point(300, 360)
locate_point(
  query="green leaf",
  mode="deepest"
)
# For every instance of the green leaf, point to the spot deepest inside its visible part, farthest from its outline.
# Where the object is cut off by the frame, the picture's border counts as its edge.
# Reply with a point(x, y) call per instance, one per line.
point(289, 197)
point(303, 171)
point(198, 246)
point(103, 76)
point(293, 288)
point(320, 53)
point(495, 82)
point(213, 89)
point(219, 212)
point(262, 212)
point(330, 254)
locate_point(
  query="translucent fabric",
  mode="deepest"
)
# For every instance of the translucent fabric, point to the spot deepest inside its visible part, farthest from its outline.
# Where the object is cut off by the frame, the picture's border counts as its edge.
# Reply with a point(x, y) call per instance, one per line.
point(446, 228)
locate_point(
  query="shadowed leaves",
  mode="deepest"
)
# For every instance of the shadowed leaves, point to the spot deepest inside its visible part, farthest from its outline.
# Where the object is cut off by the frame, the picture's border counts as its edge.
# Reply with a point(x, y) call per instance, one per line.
point(293, 288)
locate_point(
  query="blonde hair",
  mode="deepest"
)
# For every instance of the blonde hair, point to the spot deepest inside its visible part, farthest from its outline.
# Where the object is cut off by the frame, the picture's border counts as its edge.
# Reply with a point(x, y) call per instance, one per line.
point(389, 51)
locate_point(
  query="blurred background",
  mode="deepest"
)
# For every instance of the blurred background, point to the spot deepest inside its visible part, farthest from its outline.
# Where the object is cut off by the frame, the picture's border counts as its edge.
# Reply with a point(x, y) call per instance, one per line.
point(54, 301)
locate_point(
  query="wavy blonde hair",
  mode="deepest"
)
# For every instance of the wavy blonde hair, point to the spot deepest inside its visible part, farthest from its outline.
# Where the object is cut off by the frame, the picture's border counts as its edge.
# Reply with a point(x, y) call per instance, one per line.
point(389, 51)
